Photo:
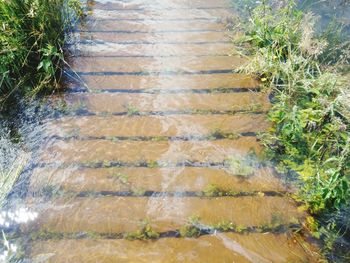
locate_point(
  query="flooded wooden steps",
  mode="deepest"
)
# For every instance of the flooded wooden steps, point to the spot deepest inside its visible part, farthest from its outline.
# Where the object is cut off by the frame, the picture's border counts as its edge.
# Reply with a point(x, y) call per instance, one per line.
point(175, 125)
point(92, 151)
point(155, 179)
point(181, 37)
point(163, 82)
point(152, 26)
point(139, 103)
point(262, 248)
point(156, 127)
point(112, 214)
point(148, 64)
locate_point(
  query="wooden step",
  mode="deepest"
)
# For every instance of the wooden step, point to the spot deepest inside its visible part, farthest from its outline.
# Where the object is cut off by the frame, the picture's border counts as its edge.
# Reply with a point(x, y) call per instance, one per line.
point(131, 103)
point(181, 37)
point(102, 151)
point(165, 13)
point(152, 26)
point(155, 126)
point(112, 214)
point(262, 248)
point(187, 82)
point(121, 50)
point(157, 4)
point(154, 179)
point(148, 64)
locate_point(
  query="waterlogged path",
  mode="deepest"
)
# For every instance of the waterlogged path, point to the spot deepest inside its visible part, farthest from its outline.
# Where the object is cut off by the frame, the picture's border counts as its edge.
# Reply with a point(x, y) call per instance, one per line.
point(158, 138)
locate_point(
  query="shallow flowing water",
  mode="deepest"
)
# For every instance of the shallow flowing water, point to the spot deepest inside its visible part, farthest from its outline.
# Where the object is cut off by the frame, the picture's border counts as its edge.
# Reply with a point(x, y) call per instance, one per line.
point(158, 129)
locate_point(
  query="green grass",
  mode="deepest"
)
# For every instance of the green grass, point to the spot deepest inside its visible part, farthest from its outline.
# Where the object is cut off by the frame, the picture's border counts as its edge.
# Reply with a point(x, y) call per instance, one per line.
point(31, 44)
point(305, 72)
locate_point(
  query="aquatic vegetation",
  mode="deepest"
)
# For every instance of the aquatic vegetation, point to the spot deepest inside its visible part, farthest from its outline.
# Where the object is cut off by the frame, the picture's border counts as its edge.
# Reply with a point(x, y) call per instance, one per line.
point(304, 72)
point(146, 232)
point(224, 226)
point(132, 110)
point(240, 167)
point(32, 39)
point(191, 228)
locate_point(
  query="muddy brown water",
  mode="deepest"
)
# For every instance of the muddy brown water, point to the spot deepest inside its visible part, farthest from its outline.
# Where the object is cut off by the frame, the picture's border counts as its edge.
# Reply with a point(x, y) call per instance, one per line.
point(155, 119)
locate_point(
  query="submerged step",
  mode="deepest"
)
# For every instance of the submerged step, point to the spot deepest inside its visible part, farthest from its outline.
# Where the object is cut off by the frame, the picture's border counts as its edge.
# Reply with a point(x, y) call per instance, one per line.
point(157, 126)
point(175, 179)
point(228, 247)
point(121, 50)
point(133, 104)
point(179, 4)
point(166, 13)
point(162, 152)
point(151, 26)
point(112, 214)
point(181, 37)
point(163, 82)
point(148, 64)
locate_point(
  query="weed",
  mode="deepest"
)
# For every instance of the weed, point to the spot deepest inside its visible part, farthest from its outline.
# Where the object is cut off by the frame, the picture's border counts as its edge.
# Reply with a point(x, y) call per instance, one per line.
point(33, 34)
point(191, 228)
point(146, 232)
point(132, 110)
point(224, 226)
point(212, 190)
point(239, 167)
point(310, 133)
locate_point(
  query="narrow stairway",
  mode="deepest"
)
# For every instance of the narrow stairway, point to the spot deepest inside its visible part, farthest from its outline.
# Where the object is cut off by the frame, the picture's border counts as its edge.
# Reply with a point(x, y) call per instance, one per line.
point(155, 158)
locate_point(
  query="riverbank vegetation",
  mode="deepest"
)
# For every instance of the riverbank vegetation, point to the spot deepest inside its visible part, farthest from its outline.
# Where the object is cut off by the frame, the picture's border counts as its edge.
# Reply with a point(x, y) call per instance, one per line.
point(32, 40)
point(307, 74)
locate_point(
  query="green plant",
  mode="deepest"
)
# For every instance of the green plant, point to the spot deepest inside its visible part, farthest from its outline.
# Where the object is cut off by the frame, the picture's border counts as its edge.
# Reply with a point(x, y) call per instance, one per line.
point(310, 133)
point(132, 110)
point(240, 167)
point(146, 232)
point(224, 226)
point(33, 34)
point(191, 228)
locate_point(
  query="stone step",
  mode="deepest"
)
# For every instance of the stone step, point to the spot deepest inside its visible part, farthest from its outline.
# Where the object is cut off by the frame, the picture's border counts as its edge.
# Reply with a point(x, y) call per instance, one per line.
point(104, 151)
point(155, 126)
point(228, 247)
point(148, 64)
point(163, 82)
point(151, 26)
point(144, 38)
point(155, 179)
point(131, 103)
point(114, 214)
point(121, 50)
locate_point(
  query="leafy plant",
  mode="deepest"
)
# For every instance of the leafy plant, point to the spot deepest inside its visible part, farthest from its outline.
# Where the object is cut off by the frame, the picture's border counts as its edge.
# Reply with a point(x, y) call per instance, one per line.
point(146, 232)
